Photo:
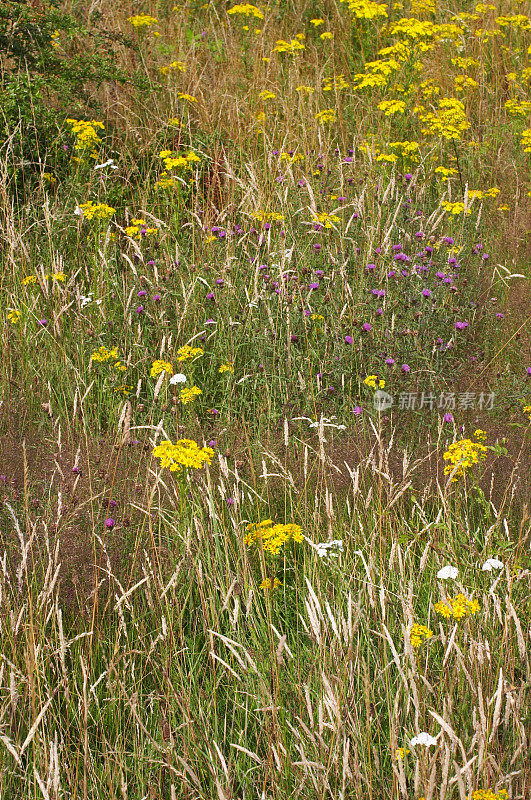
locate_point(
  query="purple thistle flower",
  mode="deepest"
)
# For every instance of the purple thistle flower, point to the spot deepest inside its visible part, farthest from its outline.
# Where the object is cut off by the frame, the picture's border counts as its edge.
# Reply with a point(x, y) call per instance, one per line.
point(366, 327)
point(448, 418)
point(140, 310)
point(349, 339)
point(210, 296)
point(426, 293)
point(389, 362)
point(406, 368)
point(356, 410)
point(110, 523)
point(461, 325)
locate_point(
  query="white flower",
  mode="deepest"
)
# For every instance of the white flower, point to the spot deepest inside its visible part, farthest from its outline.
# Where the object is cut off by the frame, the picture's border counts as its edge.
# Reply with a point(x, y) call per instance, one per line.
point(448, 572)
point(492, 563)
point(423, 738)
point(327, 548)
point(109, 163)
point(178, 378)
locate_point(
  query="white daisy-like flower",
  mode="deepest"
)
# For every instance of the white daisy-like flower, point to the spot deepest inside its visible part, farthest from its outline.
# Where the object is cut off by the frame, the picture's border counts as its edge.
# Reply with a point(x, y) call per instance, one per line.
point(178, 378)
point(423, 738)
point(492, 563)
point(448, 572)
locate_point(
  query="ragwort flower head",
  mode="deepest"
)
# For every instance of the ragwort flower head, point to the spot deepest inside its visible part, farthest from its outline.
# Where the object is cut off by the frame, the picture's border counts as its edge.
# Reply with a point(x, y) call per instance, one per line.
point(142, 21)
point(273, 536)
point(464, 454)
point(161, 366)
point(246, 10)
point(457, 607)
point(185, 453)
point(188, 353)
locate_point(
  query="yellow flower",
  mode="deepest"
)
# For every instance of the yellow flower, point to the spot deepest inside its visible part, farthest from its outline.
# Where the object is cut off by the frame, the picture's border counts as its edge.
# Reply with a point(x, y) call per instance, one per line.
point(103, 354)
point(401, 752)
point(187, 353)
point(29, 279)
point(418, 634)
point(281, 46)
point(457, 607)
point(226, 368)
point(142, 20)
point(247, 10)
point(272, 535)
point(185, 453)
point(97, 210)
point(326, 35)
point(85, 132)
point(454, 208)
point(189, 97)
point(161, 366)
point(373, 382)
point(326, 116)
point(464, 454)
point(13, 315)
point(266, 583)
point(366, 9)
point(266, 95)
point(188, 395)
point(317, 22)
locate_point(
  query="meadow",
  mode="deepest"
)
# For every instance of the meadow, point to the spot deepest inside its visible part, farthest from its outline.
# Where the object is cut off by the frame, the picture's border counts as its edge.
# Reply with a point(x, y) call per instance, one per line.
point(265, 400)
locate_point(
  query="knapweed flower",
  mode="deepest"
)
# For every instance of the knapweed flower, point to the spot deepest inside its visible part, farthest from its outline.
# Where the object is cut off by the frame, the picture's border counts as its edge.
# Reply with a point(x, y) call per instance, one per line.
point(188, 395)
point(266, 583)
point(349, 339)
point(185, 453)
point(366, 327)
point(448, 572)
point(418, 634)
point(460, 326)
point(373, 382)
point(457, 607)
point(188, 353)
point(272, 535)
point(110, 523)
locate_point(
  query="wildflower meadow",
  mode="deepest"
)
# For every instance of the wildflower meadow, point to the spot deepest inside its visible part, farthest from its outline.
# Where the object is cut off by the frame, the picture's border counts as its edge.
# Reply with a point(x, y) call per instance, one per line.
point(265, 397)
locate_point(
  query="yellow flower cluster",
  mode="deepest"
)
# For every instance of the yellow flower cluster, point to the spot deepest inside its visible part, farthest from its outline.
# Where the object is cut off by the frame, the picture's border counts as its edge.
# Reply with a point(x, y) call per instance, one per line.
point(401, 752)
point(464, 454)
point(102, 355)
point(326, 219)
point(172, 161)
point(266, 583)
point(463, 82)
point(293, 46)
point(457, 607)
point(97, 210)
point(366, 9)
point(266, 95)
point(226, 368)
point(13, 315)
point(142, 20)
point(448, 122)
point(186, 353)
point(267, 216)
point(516, 20)
point(188, 395)
point(161, 366)
point(138, 228)
point(189, 97)
point(488, 794)
point(390, 107)
point(527, 409)
point(526, 140)
point(326, 116)
point(418, 634)
point(518, 107)
point(185, 453)
point(454, 208)
point(175, 66)
point(247, 10)
point(335, 84)
point(85, 132)
point(272, 535)
point(373, 382)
